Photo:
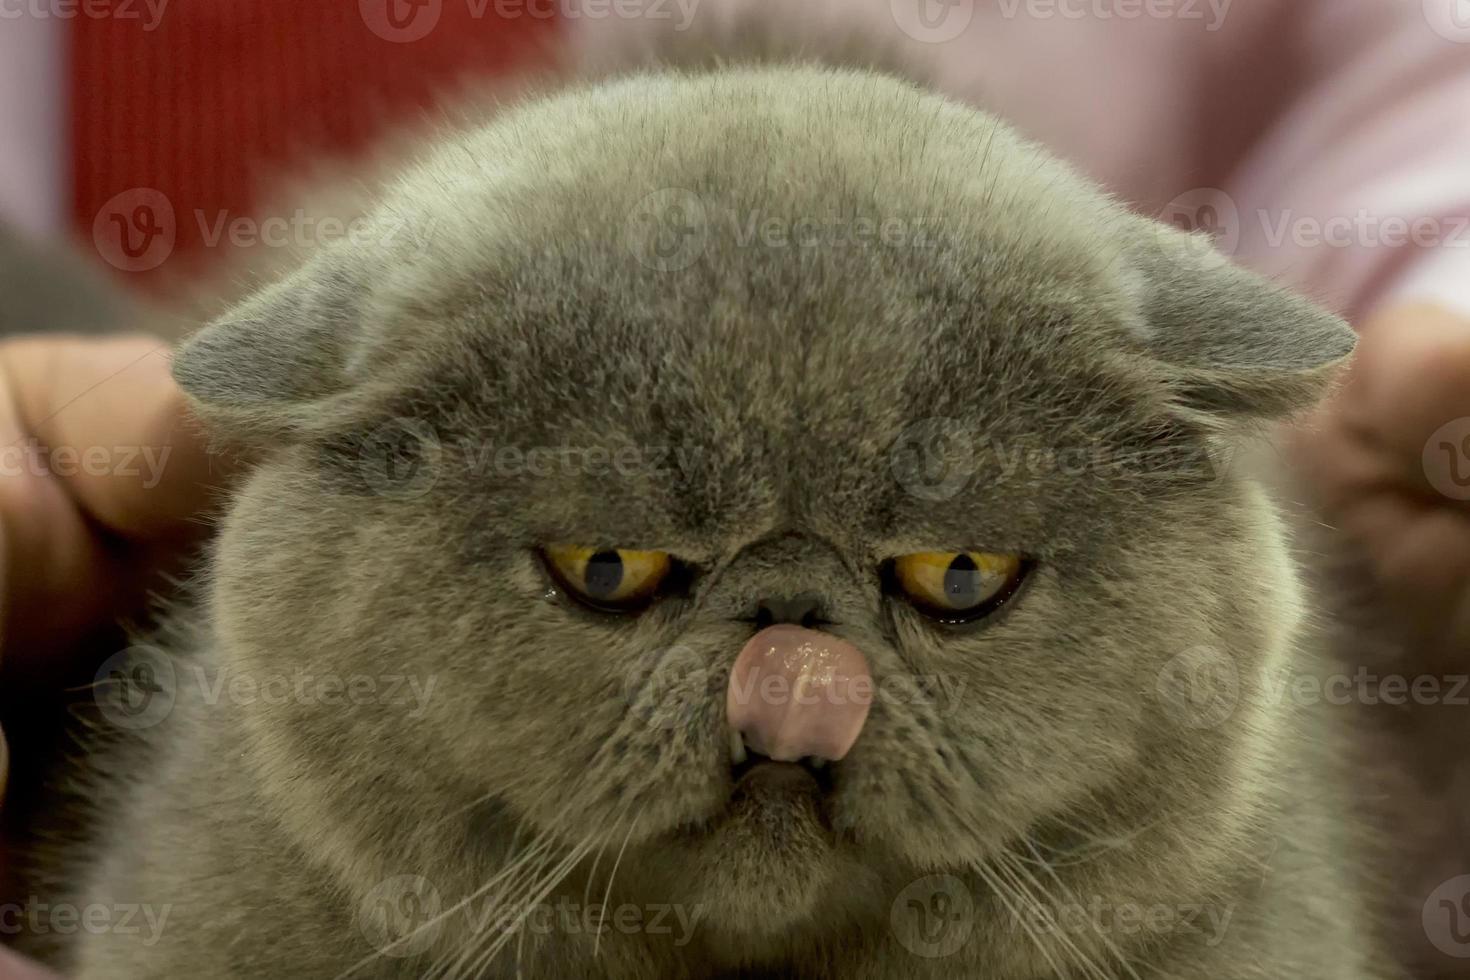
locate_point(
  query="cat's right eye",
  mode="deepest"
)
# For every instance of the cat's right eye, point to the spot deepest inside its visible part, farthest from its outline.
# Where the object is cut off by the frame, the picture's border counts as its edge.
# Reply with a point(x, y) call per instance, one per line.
point(610, 579)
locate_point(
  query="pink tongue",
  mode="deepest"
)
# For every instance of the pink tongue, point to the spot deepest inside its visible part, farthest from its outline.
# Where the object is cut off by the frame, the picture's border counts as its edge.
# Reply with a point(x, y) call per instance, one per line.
point(796, 692)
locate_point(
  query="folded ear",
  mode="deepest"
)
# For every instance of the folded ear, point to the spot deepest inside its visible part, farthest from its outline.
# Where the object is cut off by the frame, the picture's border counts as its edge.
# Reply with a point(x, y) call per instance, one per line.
point(262, 369)
point(1232, 343)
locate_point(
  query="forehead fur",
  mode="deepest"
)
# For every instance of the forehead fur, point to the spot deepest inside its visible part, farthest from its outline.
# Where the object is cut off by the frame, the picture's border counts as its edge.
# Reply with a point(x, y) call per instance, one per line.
point(727, 156)
point(844, 258)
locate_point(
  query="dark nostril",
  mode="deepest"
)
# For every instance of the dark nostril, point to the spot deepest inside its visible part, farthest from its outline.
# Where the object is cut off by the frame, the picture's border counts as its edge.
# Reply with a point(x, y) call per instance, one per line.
point(801, 610)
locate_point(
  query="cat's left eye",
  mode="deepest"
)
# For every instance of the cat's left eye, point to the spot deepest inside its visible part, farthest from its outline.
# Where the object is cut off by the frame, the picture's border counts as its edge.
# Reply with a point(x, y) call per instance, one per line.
point(610, 579)
point(957, 586)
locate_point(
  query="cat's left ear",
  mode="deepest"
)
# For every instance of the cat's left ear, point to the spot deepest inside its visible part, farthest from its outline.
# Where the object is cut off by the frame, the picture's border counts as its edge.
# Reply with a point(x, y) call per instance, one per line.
point(1230, 343)
point(274, 366)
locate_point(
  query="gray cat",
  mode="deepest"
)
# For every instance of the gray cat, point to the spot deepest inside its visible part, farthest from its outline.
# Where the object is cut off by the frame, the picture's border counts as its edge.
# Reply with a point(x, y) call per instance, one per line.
point(767, 521)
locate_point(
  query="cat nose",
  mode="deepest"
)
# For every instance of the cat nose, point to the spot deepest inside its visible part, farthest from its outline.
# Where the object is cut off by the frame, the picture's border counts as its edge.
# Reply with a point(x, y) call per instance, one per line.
point(802, 610)
point(797, 692)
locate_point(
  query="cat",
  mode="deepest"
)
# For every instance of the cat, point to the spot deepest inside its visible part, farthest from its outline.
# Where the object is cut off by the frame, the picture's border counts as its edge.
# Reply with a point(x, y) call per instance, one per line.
point(644, 379)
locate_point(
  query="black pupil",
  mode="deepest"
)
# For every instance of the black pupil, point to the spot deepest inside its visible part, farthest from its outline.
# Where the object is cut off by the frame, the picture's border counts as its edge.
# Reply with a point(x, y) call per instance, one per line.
point(962, 582)
point(604, 574)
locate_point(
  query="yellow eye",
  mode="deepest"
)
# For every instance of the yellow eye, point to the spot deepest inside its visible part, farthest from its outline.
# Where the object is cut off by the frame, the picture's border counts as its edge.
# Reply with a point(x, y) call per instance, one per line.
point(958, 586)
point(610, 578)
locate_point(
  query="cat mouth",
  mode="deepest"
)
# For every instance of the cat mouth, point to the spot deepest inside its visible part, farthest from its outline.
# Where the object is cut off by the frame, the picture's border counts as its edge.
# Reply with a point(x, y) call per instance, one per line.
point(770, 850)
point(768, 789)
point(759, 773)
point(800, 787)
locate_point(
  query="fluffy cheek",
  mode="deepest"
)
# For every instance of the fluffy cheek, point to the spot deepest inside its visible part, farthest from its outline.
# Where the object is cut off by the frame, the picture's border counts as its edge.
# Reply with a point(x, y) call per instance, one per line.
point(1000, 728)
point(348, 607)
point(561, 714)
point(573, 716)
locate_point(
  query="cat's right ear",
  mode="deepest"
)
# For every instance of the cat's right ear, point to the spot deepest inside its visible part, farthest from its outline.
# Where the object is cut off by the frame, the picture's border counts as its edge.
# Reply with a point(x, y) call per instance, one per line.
point(261, 371)
point(1232, 346)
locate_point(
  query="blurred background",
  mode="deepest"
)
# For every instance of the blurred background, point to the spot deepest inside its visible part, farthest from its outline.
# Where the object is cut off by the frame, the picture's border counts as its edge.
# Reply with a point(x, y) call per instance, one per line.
point(139, 136)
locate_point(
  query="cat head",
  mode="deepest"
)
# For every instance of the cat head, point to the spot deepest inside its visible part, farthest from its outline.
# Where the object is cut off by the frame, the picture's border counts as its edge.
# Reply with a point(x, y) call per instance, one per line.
point(765, 336)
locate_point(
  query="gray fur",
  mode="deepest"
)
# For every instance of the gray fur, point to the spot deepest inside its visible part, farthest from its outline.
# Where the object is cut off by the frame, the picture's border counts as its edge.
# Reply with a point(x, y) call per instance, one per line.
point(1022, 316)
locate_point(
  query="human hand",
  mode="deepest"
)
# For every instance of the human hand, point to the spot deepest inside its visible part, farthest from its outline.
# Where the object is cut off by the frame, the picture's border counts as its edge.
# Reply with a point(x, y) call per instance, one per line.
point(102, 479)
point(1389, 461)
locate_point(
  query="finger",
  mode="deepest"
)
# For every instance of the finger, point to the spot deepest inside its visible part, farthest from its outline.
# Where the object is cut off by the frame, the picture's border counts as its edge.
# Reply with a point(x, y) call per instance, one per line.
point(1411, 376)
point(106, 419)
point(12, 967)
point(57, 575)
point(1340, 464)
point(1417, 549)
point(100, 466)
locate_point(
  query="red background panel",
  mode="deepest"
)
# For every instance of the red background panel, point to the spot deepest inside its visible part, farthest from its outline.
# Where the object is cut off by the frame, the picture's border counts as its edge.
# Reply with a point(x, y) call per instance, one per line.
point(194, 107)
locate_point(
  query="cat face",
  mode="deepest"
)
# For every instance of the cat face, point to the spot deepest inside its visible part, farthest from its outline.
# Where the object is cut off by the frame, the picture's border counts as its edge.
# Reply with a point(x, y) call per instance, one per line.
point(762, 334)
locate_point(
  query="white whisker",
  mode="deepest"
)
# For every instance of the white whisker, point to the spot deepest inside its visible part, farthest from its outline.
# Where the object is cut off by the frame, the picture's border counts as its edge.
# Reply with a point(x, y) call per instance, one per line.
point(597, 944)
